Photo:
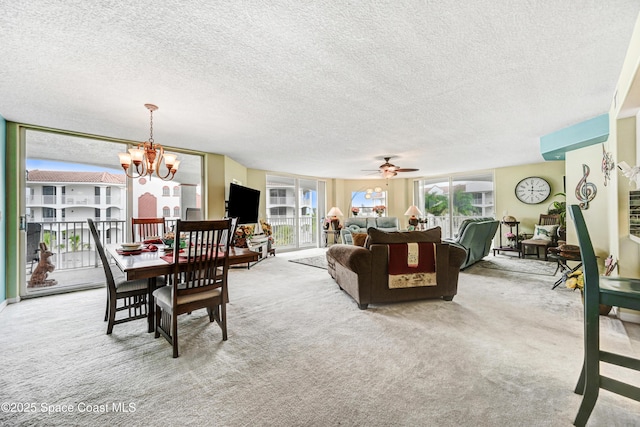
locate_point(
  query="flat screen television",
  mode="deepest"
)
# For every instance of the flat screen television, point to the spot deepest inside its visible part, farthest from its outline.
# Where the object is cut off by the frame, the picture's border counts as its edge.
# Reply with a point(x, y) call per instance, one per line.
point(243, 203)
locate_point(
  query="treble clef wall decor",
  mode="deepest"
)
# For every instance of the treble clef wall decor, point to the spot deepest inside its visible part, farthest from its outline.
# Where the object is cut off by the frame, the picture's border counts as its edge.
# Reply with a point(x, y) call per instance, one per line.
point(585, 191)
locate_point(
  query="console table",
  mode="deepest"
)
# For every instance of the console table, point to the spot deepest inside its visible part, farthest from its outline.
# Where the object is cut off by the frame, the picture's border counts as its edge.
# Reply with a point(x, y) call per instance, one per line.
point(503, 248)
point(262, 247)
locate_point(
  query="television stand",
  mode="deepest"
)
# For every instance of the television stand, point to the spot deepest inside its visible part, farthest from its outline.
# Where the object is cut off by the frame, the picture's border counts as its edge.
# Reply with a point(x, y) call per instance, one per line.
point(261, 245)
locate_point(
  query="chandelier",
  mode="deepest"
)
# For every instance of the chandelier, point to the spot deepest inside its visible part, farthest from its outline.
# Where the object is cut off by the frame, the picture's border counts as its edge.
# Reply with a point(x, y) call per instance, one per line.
point(147, 157)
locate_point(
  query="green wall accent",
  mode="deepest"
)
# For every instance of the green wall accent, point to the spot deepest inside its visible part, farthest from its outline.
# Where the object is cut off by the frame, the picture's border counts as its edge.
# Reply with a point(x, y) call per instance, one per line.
point(3, 210)
point(593, 131)
point(12, 216)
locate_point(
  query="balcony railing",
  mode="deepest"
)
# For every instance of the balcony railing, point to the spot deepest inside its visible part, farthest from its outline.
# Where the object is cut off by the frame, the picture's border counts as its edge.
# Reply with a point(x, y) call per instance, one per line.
point(72, 244)
point(285, 232)
point(70, 200)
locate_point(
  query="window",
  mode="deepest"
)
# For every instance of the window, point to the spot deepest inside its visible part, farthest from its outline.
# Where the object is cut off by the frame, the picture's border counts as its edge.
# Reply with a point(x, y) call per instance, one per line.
point(278, 211)
point(278, 196)
point(365, 201)
point(176, 211)
point(49, 150)
point(447, 201)
point(48, 194)
point(165, 191)
point(176, 192)
point(292, 210)
point(49, 214)
point(166, 211)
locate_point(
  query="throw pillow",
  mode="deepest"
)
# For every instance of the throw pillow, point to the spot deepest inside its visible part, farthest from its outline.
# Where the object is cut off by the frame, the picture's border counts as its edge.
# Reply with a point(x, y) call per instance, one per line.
point(545, 232)
point(359, 238)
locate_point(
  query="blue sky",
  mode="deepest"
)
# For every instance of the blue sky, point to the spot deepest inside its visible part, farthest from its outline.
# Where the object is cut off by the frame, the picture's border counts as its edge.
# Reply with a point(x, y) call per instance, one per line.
point(51, 165)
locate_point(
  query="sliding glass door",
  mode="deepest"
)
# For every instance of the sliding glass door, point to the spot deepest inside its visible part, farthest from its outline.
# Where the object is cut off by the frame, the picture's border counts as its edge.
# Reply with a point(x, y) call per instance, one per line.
point(69, 178)
point(292, 211)
point(447, 201)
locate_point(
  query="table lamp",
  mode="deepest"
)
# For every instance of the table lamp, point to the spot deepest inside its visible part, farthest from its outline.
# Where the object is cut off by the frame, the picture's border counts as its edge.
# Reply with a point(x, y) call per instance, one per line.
point(413, 212)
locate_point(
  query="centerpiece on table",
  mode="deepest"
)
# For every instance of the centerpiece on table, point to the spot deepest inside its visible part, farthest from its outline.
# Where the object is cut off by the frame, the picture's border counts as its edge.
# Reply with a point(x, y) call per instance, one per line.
point(169, 238)
point(379, 210)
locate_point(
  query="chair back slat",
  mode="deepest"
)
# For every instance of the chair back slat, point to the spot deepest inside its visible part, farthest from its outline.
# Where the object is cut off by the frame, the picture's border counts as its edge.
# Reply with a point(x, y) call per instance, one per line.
point(103, 256)
point(142, 228)
point(206, 256)
point(549, 219)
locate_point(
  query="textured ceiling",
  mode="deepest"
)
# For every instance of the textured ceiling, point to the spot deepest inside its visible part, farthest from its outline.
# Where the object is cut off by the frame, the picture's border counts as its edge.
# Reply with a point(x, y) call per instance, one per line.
point(320, 88)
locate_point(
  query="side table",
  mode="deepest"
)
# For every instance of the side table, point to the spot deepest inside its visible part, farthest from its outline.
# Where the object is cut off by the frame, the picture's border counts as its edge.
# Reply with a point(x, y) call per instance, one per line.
point(504, 248)
point(562, 264)
point(336, 236)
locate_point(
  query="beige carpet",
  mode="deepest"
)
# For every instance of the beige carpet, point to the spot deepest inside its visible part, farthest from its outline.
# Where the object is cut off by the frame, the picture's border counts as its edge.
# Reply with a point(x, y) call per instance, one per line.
point(505, 352)
point(519, 265)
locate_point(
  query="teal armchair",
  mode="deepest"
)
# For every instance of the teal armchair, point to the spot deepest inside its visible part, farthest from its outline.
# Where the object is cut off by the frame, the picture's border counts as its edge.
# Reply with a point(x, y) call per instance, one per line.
point(475, 236)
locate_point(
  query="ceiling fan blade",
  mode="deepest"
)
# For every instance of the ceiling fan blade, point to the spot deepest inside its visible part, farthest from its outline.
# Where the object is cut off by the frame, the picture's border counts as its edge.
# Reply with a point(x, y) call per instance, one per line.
point(407, 170)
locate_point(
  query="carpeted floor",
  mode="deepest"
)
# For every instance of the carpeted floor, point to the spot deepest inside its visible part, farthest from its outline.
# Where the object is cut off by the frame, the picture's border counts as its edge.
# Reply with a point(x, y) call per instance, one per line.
point(505, 352)
point(519, 265)
point(319, 261)
point(498, 262)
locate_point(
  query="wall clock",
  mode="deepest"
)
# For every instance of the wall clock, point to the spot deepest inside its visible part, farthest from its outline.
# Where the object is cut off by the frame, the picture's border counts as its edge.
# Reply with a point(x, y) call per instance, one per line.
point(533, 190)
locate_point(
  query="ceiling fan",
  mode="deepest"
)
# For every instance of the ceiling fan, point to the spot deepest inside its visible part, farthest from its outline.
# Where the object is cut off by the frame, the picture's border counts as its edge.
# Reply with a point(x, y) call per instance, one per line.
point(389, 170)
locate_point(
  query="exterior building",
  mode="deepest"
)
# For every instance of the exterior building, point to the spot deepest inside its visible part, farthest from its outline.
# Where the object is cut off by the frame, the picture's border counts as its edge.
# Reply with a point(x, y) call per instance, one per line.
point(482, 192)
point(55, 196)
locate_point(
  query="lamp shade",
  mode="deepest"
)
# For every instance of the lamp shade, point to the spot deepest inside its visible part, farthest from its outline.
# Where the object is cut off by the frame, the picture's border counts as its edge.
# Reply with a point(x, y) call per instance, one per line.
point(413, 211)
point(334, 211)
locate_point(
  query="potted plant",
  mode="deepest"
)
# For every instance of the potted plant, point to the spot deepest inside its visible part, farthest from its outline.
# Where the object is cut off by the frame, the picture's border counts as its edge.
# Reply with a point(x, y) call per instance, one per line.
point(559, 207)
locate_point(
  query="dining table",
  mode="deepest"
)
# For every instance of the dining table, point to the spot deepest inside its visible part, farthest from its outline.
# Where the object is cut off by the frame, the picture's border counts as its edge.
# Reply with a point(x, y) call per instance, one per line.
point(150, 264)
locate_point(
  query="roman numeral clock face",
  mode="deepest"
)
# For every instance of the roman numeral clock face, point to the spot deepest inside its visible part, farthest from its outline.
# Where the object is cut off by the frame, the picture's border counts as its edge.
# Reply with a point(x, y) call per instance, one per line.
point(533, 190)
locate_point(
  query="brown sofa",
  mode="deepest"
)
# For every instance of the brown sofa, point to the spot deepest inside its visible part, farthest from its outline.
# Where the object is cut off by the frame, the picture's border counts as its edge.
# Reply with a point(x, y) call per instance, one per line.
point(362, 272)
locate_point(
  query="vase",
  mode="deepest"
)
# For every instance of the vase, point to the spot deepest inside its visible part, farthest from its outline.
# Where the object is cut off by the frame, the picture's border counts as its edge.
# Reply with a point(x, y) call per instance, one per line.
point(604, 309)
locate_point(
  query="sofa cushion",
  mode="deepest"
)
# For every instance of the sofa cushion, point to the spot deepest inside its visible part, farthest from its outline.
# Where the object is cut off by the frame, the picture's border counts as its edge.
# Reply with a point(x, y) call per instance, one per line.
point(387, 223)
point(357, 223)
point(359, 238)
point(378, 236)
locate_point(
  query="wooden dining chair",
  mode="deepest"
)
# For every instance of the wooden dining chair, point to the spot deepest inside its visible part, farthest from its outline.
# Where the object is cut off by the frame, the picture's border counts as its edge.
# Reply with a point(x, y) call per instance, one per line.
point(132, 294)
point(614, 291)
point(544, 236)
point(143, 228)
point(199, 278)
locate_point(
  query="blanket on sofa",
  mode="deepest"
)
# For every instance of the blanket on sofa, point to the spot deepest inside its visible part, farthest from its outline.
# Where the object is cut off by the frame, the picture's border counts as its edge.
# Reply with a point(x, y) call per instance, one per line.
point(412, 265)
